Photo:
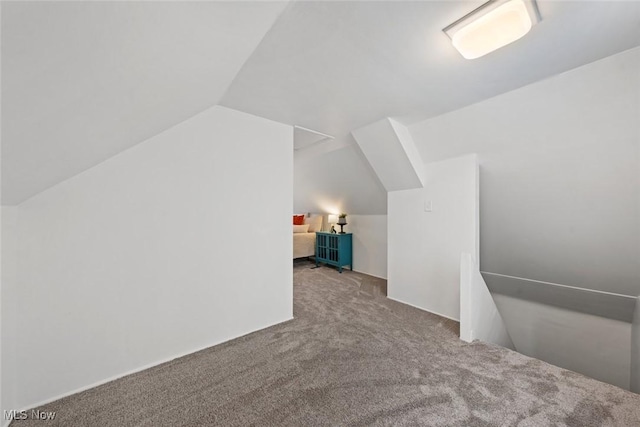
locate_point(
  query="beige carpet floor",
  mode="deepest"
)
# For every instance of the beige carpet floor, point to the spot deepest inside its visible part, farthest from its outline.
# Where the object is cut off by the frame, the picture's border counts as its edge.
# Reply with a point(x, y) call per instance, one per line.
point(351, 357)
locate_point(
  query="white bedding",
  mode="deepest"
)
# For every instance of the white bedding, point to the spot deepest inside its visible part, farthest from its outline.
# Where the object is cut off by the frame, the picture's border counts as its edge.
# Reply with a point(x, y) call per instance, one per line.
point(304, 245)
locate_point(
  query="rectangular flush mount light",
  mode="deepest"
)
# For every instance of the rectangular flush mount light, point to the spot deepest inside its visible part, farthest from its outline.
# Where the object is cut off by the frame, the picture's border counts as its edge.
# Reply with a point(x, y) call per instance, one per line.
point(491, 26)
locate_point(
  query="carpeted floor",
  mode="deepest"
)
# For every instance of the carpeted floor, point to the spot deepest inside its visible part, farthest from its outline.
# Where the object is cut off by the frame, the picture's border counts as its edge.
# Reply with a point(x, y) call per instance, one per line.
point(351, 357)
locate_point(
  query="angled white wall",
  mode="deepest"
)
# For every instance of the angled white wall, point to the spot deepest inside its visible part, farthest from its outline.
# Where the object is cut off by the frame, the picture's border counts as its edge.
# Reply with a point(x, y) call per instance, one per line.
point(559, 162)
point(154, 253)
point(336, 180)
point(391, 152)
point(369, 243)
point(83, 81)
point(425, 246)
point(479, 315)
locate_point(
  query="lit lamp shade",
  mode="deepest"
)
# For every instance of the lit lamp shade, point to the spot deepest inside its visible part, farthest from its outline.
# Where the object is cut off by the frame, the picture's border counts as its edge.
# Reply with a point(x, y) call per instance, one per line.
point(492, 26)
point(332, 219)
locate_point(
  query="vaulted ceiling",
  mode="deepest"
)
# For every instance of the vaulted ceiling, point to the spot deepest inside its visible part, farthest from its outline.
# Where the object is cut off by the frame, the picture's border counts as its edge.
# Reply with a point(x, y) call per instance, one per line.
point(337, 66)
point(82, 81)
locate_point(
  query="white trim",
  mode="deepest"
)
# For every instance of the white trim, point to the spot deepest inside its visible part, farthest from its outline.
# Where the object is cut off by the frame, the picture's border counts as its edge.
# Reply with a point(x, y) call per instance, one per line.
point(369, 274)
point(559, 285)
point(140, 369)
point(424, 309)
point(313, 131)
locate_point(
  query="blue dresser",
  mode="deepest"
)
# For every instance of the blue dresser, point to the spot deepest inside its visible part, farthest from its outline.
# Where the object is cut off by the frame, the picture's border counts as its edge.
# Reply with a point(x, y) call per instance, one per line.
point(334, 249)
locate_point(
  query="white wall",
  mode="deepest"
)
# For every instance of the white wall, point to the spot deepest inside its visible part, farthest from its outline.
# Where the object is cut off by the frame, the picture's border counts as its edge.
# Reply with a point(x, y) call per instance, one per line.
point(7, 310)
point(479, 315)
point(635, 349)
point(424, 248)
point(180, 243)
point(592, 345)
point(390, 151)
point(559, 162)
point(339, 180)
point(369, 243)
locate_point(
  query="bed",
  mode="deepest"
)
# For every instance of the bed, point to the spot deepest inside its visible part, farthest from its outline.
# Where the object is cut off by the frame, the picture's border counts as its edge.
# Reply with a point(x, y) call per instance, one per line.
point(304, 237)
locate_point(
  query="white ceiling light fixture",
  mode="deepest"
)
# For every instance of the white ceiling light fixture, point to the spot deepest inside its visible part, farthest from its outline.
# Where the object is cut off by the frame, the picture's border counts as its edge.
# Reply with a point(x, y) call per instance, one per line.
point(491, 26)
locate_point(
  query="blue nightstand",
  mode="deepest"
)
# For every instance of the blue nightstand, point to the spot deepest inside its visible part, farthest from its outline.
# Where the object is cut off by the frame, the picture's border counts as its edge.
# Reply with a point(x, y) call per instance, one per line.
point(334, 249)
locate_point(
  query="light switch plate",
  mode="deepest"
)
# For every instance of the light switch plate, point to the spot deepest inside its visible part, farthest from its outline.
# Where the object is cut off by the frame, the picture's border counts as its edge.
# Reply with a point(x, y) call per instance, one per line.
point(428, 206)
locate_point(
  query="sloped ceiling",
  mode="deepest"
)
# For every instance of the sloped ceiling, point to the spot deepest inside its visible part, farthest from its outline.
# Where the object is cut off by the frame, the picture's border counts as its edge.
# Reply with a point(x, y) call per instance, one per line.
point(337, 66)
point(82, 81)
point(327, 180)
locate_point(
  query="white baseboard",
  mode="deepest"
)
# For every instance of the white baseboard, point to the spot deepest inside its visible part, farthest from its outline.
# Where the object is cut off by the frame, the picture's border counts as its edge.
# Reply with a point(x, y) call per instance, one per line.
point(369, 274)
point(136, 370)
point(427, 310)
